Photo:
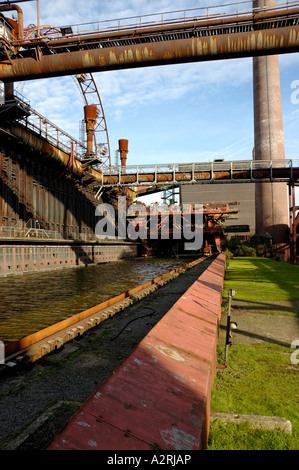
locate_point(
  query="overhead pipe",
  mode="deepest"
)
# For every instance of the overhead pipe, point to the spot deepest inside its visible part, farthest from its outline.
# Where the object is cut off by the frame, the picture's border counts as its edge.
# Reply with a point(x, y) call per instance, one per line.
point(93, 315)
point(245, 44)
point(255, 16)
point(20, 18)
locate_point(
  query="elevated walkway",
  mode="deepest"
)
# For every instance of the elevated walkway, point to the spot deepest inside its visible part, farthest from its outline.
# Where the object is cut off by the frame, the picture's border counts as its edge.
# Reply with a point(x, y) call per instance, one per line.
point(244, 171)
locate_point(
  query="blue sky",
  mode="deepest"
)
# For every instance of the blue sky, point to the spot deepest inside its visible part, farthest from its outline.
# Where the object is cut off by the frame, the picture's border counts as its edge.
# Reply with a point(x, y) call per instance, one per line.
point(176, 113)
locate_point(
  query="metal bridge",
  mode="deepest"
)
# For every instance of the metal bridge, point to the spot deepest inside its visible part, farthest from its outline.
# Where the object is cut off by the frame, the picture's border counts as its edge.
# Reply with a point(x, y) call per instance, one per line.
point(243, 171)
point(177, 37)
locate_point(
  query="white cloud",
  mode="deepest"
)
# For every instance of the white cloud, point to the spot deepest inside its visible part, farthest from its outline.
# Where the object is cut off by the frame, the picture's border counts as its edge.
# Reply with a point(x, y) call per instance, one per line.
point(149, 86)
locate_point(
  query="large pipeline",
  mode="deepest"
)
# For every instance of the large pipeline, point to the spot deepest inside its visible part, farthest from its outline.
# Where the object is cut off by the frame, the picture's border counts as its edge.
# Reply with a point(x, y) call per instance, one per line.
point(227, 45)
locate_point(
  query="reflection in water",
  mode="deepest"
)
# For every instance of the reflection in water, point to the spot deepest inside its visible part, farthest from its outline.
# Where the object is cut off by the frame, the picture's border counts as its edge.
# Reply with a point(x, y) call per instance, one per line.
point(33, 301)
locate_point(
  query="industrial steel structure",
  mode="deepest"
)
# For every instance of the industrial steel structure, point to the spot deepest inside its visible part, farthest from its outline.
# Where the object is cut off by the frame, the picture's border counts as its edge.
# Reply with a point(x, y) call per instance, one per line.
point(184, 36)
point(159, 397)
point(51, 184)
point(192, 36)
point(234, 171)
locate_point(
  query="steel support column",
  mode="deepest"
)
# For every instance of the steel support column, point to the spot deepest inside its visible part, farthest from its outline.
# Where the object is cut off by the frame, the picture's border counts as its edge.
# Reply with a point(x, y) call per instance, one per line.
point(271, 199)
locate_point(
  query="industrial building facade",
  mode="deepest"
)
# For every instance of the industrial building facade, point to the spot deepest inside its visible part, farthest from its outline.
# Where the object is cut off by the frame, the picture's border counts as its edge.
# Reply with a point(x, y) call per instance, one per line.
point(243, 194)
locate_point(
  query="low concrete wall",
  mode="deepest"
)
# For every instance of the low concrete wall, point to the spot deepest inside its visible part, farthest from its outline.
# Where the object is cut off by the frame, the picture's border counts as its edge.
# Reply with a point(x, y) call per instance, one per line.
point(159, 398)
point(35, 257)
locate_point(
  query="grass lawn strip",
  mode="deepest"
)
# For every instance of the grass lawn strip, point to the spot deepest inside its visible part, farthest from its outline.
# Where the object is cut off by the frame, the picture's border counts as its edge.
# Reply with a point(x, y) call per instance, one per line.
point(260, 378)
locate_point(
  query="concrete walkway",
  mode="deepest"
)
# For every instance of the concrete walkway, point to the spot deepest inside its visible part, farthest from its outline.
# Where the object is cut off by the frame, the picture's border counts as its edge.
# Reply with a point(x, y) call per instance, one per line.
point(255, 323)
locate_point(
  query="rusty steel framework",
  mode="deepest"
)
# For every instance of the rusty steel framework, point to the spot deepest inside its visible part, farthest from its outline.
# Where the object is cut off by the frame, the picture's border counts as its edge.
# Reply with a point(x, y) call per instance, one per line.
point(175, 37)
point(31, 348)
point(193, 37)
point(96, 146)
point(168, 223)
point(40, 125)
point(35, 193)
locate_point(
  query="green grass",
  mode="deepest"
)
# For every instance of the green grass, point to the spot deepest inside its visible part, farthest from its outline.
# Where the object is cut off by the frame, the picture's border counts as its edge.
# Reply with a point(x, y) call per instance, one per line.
point(242, 437)
point(262, 279)
point(260, 378)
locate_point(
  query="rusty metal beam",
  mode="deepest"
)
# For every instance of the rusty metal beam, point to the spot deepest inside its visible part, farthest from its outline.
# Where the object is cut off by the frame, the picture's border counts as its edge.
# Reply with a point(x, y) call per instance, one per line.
point(196, 49)
point(131, 178)
point(200, 176)
point(254, 19)
point(46, 149)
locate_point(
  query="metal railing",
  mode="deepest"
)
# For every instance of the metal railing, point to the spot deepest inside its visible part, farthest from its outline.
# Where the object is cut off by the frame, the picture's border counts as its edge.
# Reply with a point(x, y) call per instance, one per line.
point(34, 228)
point(52, 133)
point(172, 17)
point(114, 176)
point(25, 232)
point(233, 10)
point(45, 128)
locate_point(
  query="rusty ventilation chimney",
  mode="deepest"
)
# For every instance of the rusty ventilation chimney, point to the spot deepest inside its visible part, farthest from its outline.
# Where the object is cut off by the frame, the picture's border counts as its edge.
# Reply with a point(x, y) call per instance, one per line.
point(123, 150)
point(90, 117)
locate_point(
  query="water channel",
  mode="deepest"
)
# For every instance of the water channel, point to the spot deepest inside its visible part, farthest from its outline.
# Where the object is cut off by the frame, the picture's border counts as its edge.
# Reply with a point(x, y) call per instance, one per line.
point(34, 301)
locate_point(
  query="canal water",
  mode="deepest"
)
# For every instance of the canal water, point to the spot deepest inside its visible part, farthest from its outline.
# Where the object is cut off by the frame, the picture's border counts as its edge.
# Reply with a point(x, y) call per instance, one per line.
point(34, 301)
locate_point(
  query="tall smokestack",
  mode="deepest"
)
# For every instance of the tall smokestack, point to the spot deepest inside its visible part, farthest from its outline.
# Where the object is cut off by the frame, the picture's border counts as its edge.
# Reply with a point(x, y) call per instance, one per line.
point(271, 198)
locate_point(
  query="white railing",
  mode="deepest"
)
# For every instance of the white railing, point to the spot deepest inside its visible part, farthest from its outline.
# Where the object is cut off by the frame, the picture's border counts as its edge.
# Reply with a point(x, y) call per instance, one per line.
point(233, 10)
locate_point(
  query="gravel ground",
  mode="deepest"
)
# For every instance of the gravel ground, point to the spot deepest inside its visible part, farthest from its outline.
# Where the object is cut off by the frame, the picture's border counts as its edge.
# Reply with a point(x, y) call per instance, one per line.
point(36, 403)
